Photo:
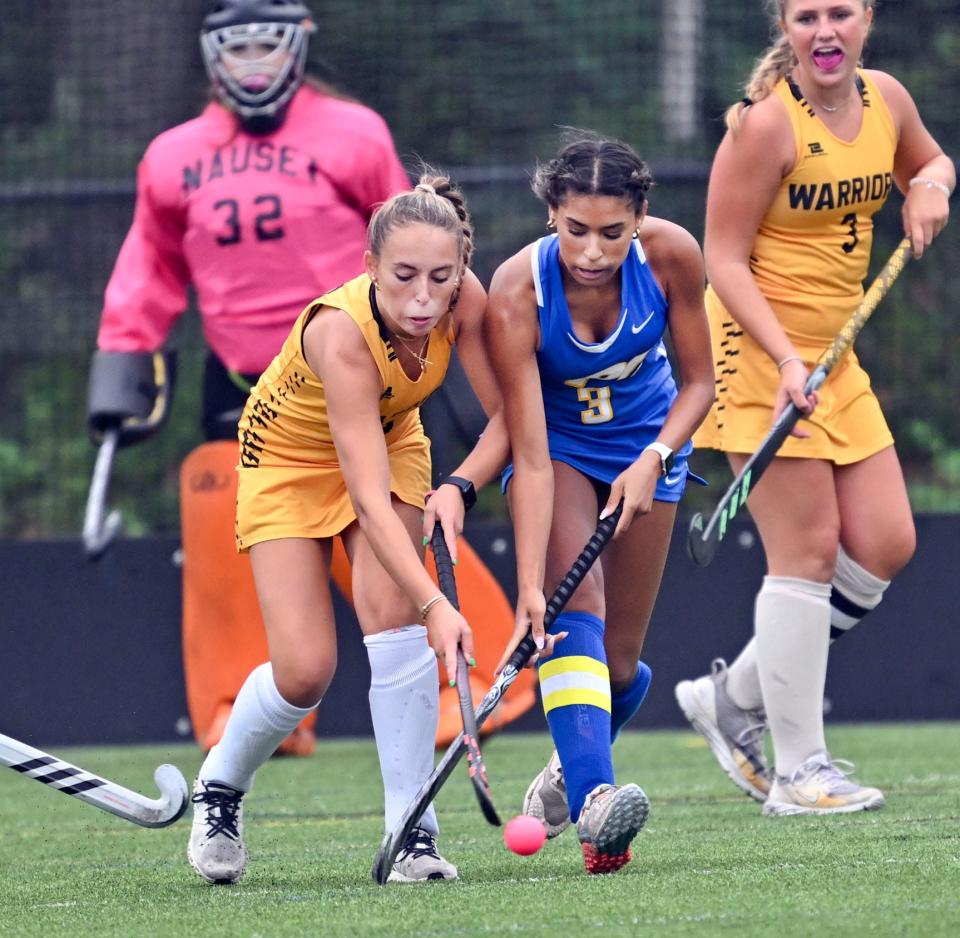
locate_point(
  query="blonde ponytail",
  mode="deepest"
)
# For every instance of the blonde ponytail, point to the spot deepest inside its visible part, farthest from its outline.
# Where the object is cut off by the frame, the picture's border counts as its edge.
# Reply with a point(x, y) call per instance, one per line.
point(778, 60)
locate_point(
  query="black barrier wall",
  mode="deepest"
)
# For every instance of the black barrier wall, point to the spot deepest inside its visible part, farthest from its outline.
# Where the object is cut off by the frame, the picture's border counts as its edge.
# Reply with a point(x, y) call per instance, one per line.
point(90, 652)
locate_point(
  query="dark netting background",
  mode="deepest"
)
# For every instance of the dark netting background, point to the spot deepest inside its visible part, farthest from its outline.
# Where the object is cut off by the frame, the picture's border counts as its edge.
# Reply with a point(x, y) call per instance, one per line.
point(478, 88)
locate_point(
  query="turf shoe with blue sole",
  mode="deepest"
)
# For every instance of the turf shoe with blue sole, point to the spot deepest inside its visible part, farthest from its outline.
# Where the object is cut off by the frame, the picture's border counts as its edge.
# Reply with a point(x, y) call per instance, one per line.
point(611, 817)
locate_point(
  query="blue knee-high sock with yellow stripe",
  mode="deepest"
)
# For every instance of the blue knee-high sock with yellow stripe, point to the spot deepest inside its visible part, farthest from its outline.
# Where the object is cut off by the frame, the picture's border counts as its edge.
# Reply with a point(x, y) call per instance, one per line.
point(575, 686)
point(625, 703)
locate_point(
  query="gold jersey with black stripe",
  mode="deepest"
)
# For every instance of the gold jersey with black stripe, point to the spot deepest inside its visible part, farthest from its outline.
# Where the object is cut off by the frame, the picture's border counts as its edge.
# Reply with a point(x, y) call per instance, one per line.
point(812, 249)
point(810, 258)
point(290, 481)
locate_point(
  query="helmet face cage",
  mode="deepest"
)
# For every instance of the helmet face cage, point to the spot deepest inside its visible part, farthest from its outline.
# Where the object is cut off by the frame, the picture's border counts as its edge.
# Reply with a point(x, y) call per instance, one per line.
point(282, 65)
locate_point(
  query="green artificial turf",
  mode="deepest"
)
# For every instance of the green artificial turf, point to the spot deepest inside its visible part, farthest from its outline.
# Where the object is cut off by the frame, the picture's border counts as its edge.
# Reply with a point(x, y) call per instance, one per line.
point(706, 863)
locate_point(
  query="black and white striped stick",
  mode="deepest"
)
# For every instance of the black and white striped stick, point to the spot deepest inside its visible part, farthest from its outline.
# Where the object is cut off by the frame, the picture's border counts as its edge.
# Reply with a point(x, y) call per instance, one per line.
point(108, 796)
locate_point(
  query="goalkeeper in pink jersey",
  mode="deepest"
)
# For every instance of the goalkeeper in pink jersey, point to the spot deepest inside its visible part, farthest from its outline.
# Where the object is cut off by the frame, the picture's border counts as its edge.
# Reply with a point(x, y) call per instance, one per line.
point(261, 204)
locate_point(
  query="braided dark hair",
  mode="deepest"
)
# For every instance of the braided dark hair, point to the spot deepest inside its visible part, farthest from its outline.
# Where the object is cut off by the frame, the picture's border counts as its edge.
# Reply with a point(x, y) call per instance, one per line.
point(590, 164)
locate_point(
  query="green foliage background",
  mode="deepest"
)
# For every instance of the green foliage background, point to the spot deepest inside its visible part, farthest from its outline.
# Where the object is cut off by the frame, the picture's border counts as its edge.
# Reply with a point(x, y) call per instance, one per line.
point(479, 88)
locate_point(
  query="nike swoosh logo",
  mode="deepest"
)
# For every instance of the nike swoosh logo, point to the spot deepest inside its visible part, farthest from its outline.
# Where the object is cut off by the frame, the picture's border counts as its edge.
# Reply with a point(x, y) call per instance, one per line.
point(674, 477)
point(636, 329)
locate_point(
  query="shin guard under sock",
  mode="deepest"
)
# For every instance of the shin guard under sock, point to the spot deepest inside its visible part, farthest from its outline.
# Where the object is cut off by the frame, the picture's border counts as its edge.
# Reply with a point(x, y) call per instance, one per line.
point(259, 721)
point(793, 629)
point(625, 703)
point(404, 706)
point(575, 686)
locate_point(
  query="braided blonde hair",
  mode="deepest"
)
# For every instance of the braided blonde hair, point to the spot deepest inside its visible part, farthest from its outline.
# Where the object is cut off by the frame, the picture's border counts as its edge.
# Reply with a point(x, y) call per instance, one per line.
point(435, 201)
point(773, 65)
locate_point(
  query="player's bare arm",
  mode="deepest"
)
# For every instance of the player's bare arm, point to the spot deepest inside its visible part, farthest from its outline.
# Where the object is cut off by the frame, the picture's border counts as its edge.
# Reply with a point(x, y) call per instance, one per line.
point(677, 262)
point(746, 174)
point(490, 453)
point(923, 172)
point(337, 353)
point(512, 334)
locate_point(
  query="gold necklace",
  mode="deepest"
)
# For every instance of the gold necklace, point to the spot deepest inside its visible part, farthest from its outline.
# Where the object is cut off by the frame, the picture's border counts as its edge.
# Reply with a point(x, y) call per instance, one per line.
point(419, 356)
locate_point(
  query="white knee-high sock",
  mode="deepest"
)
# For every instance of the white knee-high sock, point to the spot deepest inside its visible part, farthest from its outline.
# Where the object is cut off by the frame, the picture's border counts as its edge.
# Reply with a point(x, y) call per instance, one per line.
point(855, 592)
point(793, 631)
point(405, 707)
point(743, 679)
point(260, 720)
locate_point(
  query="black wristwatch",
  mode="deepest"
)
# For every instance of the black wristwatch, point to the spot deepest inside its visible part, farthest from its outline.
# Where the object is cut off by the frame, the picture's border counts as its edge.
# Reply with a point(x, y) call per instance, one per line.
point(467, 491)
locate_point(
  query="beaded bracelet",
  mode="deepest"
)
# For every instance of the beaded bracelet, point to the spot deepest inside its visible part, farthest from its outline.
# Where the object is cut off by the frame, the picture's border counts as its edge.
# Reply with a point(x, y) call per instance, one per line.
point(930, 184)
point(429, 604)
point(789, 358)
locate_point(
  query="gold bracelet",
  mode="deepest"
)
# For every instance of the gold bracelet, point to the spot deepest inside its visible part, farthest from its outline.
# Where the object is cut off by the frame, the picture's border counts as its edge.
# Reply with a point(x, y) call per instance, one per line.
point(429, 604)
point(789, 358)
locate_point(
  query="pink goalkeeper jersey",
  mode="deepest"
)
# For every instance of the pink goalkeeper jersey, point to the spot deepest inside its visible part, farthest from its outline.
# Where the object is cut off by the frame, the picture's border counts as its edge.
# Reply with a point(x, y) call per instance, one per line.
point(260, 226)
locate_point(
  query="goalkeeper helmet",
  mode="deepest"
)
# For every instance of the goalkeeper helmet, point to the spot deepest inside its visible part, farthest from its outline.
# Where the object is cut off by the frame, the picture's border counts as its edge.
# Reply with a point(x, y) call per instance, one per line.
point(255, 52)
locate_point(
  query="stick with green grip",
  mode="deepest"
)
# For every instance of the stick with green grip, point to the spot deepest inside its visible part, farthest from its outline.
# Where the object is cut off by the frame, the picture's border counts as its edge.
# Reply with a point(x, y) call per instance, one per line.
point(704, 540)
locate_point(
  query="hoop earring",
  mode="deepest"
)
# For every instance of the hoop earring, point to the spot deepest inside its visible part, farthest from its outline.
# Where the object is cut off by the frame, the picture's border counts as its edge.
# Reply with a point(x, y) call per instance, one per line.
point(551, 223)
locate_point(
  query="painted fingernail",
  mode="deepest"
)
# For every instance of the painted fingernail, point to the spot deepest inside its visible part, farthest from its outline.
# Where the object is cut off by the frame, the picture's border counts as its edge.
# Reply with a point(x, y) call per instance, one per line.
point(426, 540)
point(539, 643)
point(473, 662)
point(604, 513)
point(453, 683)
point(454, 561)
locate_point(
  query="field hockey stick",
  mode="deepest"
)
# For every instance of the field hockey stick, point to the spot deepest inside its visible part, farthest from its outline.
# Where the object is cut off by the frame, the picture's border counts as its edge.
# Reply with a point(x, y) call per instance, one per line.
point(471, 738)
point(703, 541)
point(108, 796)
point(394, 840)
point(100, 528)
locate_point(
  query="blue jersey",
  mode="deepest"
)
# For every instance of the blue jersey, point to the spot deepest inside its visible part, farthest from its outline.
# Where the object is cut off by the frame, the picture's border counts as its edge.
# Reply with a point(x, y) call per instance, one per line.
point(605, 401)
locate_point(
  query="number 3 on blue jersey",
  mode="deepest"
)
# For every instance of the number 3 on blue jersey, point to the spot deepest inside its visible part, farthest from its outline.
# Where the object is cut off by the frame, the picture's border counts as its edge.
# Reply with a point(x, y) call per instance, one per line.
point(599, 409)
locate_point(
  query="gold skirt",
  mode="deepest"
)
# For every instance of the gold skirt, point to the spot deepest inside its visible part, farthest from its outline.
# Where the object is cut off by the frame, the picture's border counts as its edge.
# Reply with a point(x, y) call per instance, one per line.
point(312, 501)
point(846, 427)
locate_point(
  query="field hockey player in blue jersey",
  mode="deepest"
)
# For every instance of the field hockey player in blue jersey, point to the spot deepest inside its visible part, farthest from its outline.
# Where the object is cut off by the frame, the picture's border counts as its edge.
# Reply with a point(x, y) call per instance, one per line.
point(575, 326)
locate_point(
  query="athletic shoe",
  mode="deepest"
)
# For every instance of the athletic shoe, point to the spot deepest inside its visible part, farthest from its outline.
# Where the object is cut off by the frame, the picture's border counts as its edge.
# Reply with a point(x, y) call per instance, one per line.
point(546, 798)
point(820, 786)
point(735, 735)
point(419, 860)
point(216, 849)
point(609, 820)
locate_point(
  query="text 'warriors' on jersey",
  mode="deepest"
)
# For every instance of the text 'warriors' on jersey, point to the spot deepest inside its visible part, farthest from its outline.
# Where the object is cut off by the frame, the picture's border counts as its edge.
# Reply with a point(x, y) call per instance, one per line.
point(814, 242)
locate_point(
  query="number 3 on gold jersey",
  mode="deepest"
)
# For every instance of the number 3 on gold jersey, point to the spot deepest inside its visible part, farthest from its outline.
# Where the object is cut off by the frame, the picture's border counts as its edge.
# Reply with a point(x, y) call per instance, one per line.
point(850, 220)
point(599, 409)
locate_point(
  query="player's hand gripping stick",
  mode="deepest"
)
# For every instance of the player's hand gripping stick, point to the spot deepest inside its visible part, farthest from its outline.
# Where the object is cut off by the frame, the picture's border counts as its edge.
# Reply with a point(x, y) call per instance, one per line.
point(395, 839)
point(704, 540)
